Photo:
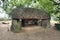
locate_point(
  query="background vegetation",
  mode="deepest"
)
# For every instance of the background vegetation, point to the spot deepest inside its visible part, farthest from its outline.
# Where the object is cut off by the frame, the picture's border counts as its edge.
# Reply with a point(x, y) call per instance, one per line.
point(47, 5)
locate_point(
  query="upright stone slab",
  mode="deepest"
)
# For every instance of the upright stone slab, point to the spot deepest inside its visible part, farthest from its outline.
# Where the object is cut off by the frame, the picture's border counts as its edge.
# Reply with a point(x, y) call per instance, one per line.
point(45, 23)
point(39, 22)
point(16, 26)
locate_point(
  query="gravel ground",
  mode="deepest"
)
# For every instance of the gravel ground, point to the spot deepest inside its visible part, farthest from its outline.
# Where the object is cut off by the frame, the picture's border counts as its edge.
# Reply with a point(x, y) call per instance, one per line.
point(30, 33)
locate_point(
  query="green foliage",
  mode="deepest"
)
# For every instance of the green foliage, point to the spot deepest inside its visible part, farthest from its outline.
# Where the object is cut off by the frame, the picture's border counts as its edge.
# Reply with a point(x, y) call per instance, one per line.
point(46, 5)
point(57, 12)
point(9, 5)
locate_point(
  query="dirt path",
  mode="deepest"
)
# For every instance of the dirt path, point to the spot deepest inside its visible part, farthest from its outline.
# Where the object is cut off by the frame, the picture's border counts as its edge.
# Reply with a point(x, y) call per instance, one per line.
point(36, 34)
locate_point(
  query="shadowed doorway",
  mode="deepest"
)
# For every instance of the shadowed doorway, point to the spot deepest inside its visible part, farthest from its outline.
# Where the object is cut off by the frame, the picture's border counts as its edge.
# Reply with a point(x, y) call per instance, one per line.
point(29, 22)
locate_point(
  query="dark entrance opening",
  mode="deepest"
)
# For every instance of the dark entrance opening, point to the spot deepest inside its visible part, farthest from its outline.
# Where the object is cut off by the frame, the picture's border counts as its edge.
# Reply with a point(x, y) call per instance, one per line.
point(29, 22)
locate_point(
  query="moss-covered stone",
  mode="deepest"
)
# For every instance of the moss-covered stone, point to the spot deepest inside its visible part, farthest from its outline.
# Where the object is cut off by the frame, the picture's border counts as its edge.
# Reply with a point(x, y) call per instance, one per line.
point(16, 26)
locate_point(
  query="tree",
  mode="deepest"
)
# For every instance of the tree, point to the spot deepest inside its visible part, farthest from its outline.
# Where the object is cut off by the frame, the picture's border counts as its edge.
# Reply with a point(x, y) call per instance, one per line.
point(57, 11)
point(46, 5)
